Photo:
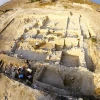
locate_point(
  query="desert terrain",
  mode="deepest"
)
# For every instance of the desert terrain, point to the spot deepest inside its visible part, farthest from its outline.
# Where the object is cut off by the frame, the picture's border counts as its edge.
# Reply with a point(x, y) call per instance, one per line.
point(58, 41)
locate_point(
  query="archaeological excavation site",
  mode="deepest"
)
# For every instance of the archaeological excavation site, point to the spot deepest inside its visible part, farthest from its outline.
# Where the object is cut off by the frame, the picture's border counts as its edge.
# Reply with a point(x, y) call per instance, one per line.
point(49, 54)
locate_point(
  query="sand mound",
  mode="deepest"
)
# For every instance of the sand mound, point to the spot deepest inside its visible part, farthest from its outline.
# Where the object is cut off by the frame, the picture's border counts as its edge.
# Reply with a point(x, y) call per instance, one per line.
point(13, 90)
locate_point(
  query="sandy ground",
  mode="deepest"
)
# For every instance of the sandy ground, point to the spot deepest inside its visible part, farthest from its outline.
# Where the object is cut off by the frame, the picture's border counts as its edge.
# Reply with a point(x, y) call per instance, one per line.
point(11, 88)
point(16, 91)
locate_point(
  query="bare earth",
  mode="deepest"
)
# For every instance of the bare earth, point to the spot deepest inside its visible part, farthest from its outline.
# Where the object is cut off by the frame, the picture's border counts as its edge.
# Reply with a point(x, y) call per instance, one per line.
point(72, 58)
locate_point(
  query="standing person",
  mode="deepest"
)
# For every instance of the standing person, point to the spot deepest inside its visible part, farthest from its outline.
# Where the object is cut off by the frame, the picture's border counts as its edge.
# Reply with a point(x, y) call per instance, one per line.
point(10, 69)
point(6, 70)
point(16, 73)
point(27, 61)
point(13, 73)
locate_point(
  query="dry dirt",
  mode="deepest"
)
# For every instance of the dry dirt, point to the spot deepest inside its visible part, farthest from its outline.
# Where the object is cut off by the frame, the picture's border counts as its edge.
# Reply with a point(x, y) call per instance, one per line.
point(17, 91)
point(87, 78)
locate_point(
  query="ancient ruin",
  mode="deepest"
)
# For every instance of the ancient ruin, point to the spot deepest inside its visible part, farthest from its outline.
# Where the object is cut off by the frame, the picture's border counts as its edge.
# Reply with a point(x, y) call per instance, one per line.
point(57, 46)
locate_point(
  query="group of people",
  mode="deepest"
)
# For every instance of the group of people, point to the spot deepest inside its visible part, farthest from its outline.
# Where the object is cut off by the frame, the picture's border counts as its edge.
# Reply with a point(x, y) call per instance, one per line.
point(23, 74)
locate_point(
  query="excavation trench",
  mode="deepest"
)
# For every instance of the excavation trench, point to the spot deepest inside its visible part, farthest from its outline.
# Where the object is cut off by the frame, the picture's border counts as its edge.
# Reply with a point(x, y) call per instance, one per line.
point(69, 60)
point(71, 83)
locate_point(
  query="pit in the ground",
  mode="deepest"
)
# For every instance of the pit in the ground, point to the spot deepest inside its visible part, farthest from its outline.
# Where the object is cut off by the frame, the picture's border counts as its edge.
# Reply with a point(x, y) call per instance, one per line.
point(69, 60)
